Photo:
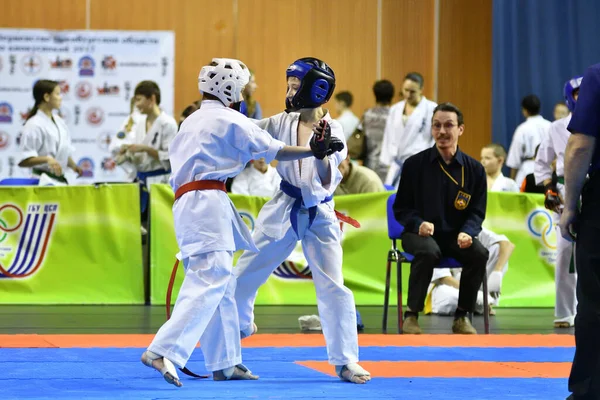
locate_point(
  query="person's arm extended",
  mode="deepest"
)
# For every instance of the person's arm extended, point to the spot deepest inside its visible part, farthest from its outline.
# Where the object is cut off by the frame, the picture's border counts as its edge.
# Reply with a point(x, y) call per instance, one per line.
point(449, 281)
point(291, 153)
point(505, 251)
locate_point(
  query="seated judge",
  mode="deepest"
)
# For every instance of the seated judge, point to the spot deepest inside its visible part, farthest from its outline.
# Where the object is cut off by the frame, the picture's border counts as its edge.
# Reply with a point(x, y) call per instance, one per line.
point(441, 203)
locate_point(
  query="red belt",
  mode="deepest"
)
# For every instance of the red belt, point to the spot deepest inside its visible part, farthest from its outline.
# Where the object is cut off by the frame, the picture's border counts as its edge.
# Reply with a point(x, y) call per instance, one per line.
point(200, 185)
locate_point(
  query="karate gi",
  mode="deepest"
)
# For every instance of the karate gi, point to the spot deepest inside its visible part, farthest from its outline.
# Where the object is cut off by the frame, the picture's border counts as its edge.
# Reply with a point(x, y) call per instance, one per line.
point(553, 147)
point(43, 137)
point(402, 140)
point(504, 184)
point(214, 143)
point(276, 239)
point(526, 138)
point(252, 182)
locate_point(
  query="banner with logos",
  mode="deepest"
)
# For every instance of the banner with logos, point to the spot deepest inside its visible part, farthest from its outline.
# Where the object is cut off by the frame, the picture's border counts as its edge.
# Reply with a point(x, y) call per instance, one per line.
point(97, 72)
point(529, 281)
point(71, 245)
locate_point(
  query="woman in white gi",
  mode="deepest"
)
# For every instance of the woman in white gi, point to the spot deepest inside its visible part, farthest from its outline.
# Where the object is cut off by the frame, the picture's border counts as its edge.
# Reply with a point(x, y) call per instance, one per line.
point(408, 128)
point(492, 159)
point(214, 143)
point(553, 147)
point(46, 143)
point(303, 210)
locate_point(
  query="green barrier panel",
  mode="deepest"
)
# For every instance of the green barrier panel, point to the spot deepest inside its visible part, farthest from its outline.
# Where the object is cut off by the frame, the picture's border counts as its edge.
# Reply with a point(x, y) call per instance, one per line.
point(70, 245)
point(528, 283)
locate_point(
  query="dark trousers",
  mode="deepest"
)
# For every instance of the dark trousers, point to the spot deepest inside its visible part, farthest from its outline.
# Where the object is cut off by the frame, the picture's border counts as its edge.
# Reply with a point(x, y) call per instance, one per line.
point(584, 381)
point(428, 251)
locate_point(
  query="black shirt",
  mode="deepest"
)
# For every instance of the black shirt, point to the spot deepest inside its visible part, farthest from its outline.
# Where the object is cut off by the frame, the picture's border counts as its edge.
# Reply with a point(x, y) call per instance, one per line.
point(428, 193)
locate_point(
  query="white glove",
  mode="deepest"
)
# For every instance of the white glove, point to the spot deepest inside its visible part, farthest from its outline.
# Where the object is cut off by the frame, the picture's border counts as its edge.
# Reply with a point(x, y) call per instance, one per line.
point(495, 282)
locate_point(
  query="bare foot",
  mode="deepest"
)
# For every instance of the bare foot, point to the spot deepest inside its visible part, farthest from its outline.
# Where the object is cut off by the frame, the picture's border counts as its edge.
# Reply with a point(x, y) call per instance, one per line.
point(166, 369)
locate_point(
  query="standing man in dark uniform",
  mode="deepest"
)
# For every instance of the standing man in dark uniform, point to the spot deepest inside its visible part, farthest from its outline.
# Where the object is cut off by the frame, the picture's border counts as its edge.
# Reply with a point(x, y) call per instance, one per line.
point(441, 203)
point(582, 156)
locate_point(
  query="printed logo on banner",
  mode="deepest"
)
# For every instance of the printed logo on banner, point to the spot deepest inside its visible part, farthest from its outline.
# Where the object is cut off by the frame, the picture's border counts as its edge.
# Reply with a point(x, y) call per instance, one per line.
point(31, 64)
point(77, 114)
point(291, 270)
point(541, 226)
point(109, 64)
point(94, 116)
point(127, 86)
point(25, 115)
point(6, 112)
point(86, 66)
point(61, 63)
point(104, 140)
point(87, 166)
point(18, 138)
point(4, 140)
point(165, 64)
point(25, 238)
point(65, 88)
point(107, 90)
point(84, 90)
point(108, 164)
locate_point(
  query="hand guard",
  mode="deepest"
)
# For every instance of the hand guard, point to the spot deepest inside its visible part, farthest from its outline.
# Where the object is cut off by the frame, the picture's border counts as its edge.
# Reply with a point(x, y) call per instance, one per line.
point(335, 145)
point(319, 143)
point(552, 201)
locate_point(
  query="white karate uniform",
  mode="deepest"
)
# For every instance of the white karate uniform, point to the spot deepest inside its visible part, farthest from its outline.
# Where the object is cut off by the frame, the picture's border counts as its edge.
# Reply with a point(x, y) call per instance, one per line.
point(116, 142)
point(444, 298)
point(214, 143)
point(276, 239)
point(552, 147)
point(252, 182)
point(504, 184)
point(526, 138)
point(160, 135)
point(44, 137)
point(402, 140)
point(349, 122)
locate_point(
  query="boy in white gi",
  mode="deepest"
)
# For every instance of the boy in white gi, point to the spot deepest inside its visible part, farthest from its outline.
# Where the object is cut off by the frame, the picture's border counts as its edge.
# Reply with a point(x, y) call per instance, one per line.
point(492, 159)
point(303, 210)
point(212, 145)
point(553, 147)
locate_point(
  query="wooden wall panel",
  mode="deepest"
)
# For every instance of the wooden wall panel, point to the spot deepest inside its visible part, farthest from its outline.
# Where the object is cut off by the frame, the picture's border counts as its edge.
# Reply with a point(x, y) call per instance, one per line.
point(203, 29)
point(465, 67)
point(343, 33)
point(43, 14)
point(408, 41)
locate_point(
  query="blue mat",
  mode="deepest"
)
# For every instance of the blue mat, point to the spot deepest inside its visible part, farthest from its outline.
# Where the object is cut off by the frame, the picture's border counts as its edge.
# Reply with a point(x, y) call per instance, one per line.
point(118, 374)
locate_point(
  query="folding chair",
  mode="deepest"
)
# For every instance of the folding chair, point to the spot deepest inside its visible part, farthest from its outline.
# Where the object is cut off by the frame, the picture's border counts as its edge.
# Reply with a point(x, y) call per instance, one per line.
point(19, 182)
point(396, 256)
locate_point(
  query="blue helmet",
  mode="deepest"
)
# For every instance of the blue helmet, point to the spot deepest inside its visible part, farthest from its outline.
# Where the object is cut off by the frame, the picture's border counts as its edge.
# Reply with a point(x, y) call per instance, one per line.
point(570, 87)
point(317, 83)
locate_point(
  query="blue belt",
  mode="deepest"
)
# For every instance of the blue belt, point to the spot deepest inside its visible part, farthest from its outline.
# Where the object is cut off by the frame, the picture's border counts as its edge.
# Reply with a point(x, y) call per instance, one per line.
point(295, 193)
point(141, 178)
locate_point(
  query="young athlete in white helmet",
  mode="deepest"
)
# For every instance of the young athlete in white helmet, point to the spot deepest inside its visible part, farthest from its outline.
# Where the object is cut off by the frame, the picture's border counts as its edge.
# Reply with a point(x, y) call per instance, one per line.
point(213, 144)
point(303, 210)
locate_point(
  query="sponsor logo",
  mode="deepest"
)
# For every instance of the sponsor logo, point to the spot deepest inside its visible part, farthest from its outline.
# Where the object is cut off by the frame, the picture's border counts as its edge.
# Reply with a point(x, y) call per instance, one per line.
point(107, 90)
point(108, 164)
point(61, 63)
point(87, 166)
point(31, 64)
point(84, 90)
point(541, 226)
point(94, 116)
point(109, 63)
point(6, 112)
point(86, 66)
point(104, 140)
point(4, 140)
point(25, 236)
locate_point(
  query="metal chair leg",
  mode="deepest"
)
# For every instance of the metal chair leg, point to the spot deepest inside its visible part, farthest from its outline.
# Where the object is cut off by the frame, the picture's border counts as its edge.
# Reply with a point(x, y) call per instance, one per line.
point(399, 290)
point(386, 299)
point(486, 306)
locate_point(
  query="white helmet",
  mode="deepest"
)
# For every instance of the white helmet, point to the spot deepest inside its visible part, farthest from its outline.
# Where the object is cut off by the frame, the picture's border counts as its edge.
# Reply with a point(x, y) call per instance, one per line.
point(225, 80)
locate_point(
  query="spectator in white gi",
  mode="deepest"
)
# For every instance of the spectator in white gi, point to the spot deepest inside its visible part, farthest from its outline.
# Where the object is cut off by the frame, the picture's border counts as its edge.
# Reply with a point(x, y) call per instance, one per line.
point(526, 138)
point(260, 179)
point(492, 159)
point(346, 118)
